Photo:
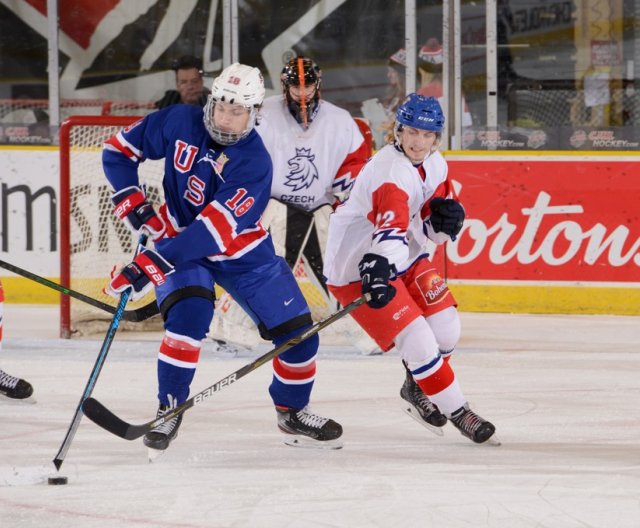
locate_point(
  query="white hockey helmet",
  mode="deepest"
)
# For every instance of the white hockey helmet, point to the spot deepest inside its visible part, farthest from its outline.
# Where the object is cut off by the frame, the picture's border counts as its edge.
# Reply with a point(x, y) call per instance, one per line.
point(236, 84)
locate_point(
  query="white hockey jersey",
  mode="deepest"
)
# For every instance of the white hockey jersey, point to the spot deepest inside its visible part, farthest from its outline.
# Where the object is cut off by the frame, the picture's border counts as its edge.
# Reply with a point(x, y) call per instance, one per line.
point(311, 167)
point(385, 214)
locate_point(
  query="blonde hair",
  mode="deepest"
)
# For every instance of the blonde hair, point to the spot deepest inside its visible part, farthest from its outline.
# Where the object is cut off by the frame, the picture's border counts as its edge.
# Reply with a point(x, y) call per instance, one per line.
point(389, 127)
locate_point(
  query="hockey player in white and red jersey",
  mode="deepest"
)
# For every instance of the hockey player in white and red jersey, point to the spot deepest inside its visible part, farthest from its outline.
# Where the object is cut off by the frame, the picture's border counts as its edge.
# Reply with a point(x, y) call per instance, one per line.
point(317, 151)
point(376, 244)
point(217, 182)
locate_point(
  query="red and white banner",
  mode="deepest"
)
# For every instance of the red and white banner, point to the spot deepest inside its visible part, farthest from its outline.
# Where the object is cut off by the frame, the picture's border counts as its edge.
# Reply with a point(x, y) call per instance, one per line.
point(570, 220)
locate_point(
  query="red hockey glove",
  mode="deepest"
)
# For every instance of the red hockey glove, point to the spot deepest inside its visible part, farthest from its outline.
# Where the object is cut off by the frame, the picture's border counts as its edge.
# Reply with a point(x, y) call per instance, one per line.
point(147, 270)
point(376, 272)
point(132, 207)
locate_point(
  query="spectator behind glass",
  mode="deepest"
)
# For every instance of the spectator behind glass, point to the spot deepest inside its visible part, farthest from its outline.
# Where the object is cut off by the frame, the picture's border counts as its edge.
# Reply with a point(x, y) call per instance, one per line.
point(189, 84)
point(430, 61)
point(381, 112)
point(396, 91)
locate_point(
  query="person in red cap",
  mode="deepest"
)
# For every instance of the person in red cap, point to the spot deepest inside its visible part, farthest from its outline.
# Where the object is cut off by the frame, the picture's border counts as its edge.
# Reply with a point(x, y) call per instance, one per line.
point(430, 60)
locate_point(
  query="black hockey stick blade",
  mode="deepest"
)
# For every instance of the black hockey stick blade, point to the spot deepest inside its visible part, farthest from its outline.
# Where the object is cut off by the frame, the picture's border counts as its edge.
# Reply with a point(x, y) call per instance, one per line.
point(139, 314)
point(100, 415)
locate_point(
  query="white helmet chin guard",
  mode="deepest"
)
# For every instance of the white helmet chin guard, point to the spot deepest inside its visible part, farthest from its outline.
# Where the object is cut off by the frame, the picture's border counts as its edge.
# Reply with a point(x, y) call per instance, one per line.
point(236, 84)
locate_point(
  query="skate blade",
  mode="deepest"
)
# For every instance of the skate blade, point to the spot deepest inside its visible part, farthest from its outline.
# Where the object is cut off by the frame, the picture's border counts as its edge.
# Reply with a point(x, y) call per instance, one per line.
point(310, 443)
point(410, 410)
point(492, 441)
point(154, 454)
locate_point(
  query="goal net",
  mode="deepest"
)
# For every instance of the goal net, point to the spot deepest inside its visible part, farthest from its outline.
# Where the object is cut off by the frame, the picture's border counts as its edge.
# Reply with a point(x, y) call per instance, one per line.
point(93, 240)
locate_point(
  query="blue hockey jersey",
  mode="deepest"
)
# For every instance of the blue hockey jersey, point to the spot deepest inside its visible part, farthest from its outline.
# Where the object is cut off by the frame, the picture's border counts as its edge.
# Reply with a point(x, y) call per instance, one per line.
point(214, 195)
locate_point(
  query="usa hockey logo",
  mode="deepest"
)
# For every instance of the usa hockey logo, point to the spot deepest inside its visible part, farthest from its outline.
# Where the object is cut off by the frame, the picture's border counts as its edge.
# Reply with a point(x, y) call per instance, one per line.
point(303, 171)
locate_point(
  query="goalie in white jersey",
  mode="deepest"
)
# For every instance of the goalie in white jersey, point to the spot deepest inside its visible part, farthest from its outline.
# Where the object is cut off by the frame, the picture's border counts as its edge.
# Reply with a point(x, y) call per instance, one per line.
point(317, 151)
point(377, 243)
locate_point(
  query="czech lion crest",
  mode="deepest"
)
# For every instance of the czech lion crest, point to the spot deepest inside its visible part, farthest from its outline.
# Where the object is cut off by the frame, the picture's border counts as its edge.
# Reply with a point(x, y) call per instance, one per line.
point(303, 172)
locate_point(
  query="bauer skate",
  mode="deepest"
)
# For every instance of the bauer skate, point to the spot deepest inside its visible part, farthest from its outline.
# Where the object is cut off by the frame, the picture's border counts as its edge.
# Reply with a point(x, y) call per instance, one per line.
point(158, 439)
point(303, 428)
point(473, 426)
point(14, 388)
point(420, 407)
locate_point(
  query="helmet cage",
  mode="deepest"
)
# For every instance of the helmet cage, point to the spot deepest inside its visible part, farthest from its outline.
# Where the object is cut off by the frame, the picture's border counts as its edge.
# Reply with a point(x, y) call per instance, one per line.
point(303, 72)
point(227, 138)
point(237, 84)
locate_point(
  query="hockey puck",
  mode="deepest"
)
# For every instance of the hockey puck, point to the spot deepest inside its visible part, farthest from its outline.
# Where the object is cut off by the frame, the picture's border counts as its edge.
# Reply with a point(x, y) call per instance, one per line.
point(57, 481)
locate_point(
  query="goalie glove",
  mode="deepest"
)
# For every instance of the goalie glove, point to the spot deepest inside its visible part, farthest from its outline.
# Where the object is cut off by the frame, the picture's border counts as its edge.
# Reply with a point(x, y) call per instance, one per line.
point(376, 272)
point(147, 270)
point(132, 207)
point(447, 216)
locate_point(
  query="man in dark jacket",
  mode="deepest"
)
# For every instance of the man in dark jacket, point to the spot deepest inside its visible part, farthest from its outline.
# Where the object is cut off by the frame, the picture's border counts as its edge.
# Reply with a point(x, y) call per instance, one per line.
point(190, 87)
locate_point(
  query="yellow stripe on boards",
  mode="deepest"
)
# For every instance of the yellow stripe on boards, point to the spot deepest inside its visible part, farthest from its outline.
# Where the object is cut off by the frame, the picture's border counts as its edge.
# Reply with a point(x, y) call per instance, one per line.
point(20, 290)
point(545, 299)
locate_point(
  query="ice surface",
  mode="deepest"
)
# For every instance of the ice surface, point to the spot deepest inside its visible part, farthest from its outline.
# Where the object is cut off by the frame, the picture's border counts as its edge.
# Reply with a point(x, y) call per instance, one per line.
point(563, 391)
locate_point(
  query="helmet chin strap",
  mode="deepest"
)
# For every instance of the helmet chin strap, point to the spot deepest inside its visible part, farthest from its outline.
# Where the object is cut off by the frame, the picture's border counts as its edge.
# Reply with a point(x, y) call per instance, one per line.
point(303, 94)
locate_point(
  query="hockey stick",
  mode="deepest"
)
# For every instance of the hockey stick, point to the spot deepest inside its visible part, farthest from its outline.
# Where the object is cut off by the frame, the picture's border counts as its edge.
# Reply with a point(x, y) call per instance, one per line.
point(103, 417)
point(97, 367)
point(139, 314)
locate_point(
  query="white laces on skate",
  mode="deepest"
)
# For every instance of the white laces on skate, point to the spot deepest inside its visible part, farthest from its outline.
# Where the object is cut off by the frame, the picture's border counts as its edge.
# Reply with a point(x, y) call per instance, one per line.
point(468, 421)
point(168, 426)
point(421, 399)
point(7, 380)
point(312, 420)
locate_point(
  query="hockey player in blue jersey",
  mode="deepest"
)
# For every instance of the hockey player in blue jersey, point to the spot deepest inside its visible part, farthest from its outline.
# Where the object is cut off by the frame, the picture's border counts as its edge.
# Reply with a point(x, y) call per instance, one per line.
point(217, 182)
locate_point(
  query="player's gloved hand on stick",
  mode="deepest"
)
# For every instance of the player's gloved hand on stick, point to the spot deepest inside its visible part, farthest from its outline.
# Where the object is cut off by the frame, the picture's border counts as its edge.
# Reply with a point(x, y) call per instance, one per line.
point(132, 207)
point(376, 272)
point(447, 216)
point(147, 270)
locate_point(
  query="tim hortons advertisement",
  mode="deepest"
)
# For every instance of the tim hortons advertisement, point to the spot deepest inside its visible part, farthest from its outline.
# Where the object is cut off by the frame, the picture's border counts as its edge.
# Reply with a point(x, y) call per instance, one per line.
point(568, 220)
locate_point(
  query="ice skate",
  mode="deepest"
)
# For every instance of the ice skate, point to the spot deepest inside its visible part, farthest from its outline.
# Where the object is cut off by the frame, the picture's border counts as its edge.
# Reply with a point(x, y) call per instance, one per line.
point(420, 407)
point(14, 388)
point(473, 426)
point(302, 428)
point(158, 439)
